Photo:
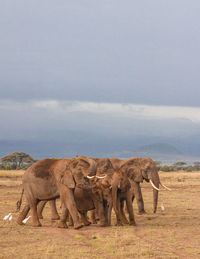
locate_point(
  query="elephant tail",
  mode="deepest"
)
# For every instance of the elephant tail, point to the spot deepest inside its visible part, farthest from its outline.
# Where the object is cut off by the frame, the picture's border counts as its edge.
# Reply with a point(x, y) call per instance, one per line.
point(19, 202)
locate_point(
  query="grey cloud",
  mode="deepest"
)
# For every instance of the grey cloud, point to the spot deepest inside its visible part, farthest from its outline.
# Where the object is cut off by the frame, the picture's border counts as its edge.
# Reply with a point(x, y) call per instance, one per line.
point(39, 120)
point(48, 129)
point(109, 51)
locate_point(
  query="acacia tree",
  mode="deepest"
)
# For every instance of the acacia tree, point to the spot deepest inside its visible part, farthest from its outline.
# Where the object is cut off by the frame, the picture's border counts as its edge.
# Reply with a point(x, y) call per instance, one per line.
point(180, 163)
point(18, 159)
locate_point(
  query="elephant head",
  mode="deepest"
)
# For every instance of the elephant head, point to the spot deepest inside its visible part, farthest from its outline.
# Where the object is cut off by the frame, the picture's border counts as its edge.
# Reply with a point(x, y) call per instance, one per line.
point(76, 172)
point(102, 179)
point(87, 165)
point(102, 188)
point(150, 174)
point(120, 179)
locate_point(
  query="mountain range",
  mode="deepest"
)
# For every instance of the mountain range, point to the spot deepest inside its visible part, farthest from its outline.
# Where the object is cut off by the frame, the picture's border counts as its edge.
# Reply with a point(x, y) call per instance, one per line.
point(163, 152)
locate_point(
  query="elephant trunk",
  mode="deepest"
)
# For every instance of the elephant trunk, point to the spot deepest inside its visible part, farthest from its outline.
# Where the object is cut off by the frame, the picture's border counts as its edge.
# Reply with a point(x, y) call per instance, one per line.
point(155, 180)
point(155, 200)
point(92, 164)
point(93, 167)
point(115, 203)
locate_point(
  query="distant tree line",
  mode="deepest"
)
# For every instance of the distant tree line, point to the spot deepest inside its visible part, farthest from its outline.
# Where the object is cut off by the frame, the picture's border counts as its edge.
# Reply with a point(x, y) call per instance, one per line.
point(21, 160)
point(178, 166)
point(16, 161)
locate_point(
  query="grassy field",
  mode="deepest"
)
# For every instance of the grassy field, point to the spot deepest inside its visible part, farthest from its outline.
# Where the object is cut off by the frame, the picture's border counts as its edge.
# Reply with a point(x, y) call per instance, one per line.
point(173, 233)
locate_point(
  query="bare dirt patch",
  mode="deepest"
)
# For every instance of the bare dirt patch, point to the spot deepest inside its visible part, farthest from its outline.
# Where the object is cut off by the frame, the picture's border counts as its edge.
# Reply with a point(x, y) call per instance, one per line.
point(173, 233)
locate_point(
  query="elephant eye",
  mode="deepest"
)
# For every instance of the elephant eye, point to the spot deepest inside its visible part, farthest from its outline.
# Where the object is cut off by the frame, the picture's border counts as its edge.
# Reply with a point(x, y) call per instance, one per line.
point(86, 179)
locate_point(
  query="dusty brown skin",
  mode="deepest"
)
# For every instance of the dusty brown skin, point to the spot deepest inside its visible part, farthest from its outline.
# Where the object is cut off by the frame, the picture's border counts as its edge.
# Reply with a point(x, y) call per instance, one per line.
point(114, 187)
point(121, 191)
point(86, 198)
point(101, 192)
point(120, 176)
point(48, 179)
point(104, 188)
point(139, 169)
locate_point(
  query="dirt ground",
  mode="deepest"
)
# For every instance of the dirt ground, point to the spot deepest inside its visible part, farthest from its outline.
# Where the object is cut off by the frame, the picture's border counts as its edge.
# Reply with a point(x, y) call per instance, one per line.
point(172, 233)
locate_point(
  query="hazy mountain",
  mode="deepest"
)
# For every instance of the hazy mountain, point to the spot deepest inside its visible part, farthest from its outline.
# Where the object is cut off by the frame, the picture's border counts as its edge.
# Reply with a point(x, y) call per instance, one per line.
point(96, 146)
point(163, 152)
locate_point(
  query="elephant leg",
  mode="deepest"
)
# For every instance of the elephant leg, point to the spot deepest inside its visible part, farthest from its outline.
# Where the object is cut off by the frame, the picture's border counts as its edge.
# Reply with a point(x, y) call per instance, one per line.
point(71, 223)
point(63, 218)
point(23, 214)
point(117, 213)
point(69, 203)
point(109, 212)
point(54, 212)
point(139, 198)
point(100, 210)
point(69, 219)
point(35, 219)
point(116, 206)
point(93, 216)
point(84, 218)
point(130, 208)
point(122, 214)
point(40, 208)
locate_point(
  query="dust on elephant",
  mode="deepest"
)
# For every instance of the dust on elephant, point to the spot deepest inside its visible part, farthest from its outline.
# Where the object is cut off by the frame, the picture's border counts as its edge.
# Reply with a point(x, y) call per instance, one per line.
point(140, 169)
point(114, 187)
point(103, 188)
point(99, 197)
point(100, 193)
point(49, 179)
point(102, 181)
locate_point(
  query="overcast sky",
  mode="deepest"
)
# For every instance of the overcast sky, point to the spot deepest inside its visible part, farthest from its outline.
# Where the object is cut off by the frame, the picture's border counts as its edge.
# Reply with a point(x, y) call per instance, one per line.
point(91, 65)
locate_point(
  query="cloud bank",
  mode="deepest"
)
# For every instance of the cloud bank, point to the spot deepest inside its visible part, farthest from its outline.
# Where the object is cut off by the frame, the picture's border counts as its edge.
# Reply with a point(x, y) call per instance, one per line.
point(62, 108)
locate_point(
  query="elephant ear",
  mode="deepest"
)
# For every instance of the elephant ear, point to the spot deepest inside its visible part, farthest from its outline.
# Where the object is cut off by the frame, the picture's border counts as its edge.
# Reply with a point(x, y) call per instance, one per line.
point(146, 166)
point(67, 179)
point(134, 173)
point(134, 161)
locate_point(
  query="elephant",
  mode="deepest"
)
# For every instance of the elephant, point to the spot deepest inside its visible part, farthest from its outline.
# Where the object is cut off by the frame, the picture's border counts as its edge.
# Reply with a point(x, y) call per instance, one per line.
point(114, 186)
point(105, 179)
point(140, 169)
point(49, 179)
point(122, 183)
point(101, 192)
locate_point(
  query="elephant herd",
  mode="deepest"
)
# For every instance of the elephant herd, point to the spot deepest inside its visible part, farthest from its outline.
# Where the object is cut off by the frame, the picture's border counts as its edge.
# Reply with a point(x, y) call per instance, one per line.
point(87, 184)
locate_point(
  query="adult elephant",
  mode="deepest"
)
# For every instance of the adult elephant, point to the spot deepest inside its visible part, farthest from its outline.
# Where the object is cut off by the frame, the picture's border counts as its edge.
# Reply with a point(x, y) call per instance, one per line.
point(140, 169)
point(110, 186)
point(49, 179)
point(100, 192)
point(114, 186)
point(102, 180)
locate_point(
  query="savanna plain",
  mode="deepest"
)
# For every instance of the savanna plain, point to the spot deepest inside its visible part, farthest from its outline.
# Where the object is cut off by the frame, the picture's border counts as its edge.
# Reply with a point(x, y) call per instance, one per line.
point(172, 233)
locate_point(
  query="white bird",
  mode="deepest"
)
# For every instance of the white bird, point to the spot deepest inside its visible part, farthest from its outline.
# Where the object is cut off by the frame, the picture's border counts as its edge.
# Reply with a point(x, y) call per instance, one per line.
point(10, 218)
point(7, 216)
point(162, 207)
point(26, 219)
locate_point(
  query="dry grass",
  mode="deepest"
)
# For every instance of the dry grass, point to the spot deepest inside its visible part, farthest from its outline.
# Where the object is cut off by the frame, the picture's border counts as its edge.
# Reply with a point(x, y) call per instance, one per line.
point(11, 173)
point(173, 233)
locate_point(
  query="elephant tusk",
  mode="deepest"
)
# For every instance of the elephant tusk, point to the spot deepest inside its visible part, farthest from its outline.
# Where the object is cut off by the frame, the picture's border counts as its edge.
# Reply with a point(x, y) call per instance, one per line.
point(165, 187)
point(90, 177)
point(101, 177)
point(154, 185)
